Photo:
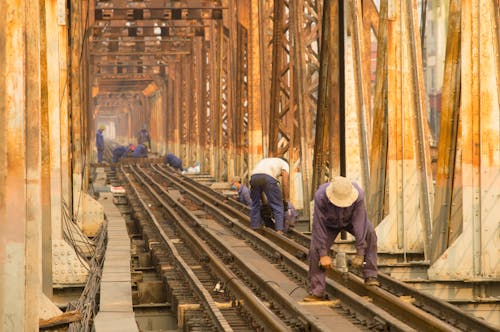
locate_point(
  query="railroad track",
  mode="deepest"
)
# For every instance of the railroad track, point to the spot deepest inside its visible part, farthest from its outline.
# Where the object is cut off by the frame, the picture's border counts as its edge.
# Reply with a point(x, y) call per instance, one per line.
point(393, 295)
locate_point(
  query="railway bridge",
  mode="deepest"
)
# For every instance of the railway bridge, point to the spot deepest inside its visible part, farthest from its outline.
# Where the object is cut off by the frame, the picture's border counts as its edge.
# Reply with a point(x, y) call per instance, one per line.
point(402, 97)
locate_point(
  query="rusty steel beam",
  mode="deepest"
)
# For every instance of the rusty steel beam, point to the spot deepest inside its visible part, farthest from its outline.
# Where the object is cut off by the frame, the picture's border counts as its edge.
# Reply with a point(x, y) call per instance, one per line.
point(76, 82)
point(327, 139)
point(378, 156)
point(255, 86)
point(33, 173)
point(361, 92)
point(476, 174)
point(408, 180)
point(216, 98)
point(445, 231)
point(157, 14)
point(14, 315)
point(241, 166)
point(205, 134)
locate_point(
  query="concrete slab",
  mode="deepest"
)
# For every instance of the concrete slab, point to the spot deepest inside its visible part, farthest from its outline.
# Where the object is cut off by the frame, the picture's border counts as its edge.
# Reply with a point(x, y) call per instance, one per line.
point(116, 296)
point(116, 276)
point(115, 322)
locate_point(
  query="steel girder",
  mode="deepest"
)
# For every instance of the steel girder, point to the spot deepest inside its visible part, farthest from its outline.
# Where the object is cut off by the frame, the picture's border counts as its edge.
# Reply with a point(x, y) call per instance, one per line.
point(465, 235)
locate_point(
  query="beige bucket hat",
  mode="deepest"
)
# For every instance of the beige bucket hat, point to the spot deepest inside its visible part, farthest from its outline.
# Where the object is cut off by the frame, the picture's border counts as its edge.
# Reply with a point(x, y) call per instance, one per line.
point(341, 192)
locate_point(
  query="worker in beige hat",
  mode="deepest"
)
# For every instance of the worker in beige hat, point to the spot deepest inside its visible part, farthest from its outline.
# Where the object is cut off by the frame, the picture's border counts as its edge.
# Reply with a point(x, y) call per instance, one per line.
point(339, 205)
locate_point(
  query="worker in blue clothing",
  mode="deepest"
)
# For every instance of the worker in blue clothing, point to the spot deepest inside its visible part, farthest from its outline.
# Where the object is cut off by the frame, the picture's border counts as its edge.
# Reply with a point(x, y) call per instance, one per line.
point(140, 151)
point(339, 205)
point(265, 180)
point(243, 191)
point(120, 152)
point(144, 138)
point(173, 161)
point(99, 143)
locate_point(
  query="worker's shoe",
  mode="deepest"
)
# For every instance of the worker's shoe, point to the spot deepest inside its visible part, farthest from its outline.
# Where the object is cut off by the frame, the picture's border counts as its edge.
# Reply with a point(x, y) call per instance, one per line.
point(313, 298)
point(371, 281)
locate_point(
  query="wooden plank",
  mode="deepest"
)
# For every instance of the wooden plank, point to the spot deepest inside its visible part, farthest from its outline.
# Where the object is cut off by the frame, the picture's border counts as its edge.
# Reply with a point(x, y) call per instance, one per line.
point(65, 318)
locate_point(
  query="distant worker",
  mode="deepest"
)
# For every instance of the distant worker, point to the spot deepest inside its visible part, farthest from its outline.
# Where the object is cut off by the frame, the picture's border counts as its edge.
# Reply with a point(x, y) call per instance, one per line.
point(265, 180)
point(173, 161)
point(339, 205)
point(243, 191)
point(144, 138)
point(140, 151)
point(99, 143)
point(120, 152)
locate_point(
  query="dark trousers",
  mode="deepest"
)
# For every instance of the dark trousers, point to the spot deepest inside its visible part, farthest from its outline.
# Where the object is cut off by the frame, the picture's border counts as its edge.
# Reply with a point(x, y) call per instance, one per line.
point(317, 275)
point(263, 183)
point(99, 155)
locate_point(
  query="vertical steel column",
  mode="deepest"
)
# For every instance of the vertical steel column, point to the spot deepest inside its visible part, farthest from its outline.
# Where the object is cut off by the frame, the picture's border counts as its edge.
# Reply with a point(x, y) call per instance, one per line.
point(256, 105)
point(266, 8)
point(361, 94)
point(370, 24)
point(224, 116)
point(406, 227)
point(305, 40)
point(379, 143)
point(275, 77)
point(33, 187)
point(232, 86)
point(327, 138)
point(198, 92)
point(177, 108)
point(241, 118)
point(186, 109)
point(205, 134)
point(476, 176)
point(14, 315)
point(76, 43)
point(216, 96)
point(63, 101)
point(46, 234)
point(445, 231)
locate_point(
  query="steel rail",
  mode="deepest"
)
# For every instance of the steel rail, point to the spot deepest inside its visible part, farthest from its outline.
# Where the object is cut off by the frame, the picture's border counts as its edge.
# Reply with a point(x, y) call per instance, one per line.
point(268, 319)
point(196, 284)
point(269, 241)
point(436, 309)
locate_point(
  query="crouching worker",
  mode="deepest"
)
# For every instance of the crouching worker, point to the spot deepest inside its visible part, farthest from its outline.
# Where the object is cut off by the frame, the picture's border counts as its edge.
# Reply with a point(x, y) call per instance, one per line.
point(339, 205)
point(120, 152)
point(140, 151)
point(265, 180)
point(173, 161)
point(243, 191)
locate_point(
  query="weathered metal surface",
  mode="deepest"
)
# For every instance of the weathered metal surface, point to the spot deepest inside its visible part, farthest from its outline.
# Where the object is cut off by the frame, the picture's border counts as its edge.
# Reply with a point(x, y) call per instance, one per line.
point(474, 254)
point(33, 176)
point(444, 230)
point(406, 226)
point(13, 198)
point(327, 140)
point(376, 189)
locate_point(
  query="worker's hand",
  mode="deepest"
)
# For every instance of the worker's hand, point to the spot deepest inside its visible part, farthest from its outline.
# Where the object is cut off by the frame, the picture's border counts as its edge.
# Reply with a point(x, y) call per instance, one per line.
point(285, 206)
point(357, 261)
point(325, 262)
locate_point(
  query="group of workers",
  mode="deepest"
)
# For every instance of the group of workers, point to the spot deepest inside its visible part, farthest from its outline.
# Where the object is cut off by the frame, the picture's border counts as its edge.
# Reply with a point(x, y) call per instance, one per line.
point(338, 206)
point(124, 151)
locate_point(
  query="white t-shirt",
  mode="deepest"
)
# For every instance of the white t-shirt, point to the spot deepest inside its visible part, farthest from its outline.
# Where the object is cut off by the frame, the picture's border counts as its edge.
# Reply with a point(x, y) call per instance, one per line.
point(271, 166)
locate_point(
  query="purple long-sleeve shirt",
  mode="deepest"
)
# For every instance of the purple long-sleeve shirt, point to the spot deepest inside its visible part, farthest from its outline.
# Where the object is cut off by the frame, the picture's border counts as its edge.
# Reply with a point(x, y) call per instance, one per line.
point(330, 217)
